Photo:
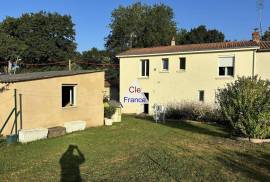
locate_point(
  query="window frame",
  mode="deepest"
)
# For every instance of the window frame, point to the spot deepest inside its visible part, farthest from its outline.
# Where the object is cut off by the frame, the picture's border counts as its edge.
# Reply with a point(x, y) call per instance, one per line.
point(146, 69)
point(162, 64)
point(74, 95)
point(203, 96)
point(226, 68)
point(181, 59)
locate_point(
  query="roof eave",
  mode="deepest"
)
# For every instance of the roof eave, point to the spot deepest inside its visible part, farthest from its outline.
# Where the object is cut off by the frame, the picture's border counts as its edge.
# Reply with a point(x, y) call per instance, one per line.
point(190, 52)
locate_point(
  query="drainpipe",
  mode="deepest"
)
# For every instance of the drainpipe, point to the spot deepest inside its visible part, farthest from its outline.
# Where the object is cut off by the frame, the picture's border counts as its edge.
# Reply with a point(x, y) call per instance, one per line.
point(253, 63)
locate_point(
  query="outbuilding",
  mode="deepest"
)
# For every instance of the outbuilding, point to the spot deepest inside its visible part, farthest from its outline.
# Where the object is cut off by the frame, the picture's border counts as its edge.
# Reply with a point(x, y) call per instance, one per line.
point(50, 99)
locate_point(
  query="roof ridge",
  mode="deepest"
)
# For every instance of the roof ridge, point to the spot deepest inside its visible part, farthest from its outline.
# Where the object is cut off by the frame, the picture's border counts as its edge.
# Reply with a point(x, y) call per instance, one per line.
point(179, 45)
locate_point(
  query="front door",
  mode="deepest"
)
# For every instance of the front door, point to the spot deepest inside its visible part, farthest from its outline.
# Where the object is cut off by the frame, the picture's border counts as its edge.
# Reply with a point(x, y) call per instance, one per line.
point(146, 106)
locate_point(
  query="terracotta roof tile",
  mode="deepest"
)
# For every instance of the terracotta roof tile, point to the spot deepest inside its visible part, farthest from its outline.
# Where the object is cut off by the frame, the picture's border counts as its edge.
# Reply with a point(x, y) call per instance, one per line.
point(264, 45)
point(194, 47)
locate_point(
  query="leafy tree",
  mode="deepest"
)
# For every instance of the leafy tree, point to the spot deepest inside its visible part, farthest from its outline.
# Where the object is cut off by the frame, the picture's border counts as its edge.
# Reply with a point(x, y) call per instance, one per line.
point(100, 59)
point(140, 25)
point(93, 57)
point(245, 104)
point(48, 36)
point(11, 48)
point(266, 35)
point(199, 35)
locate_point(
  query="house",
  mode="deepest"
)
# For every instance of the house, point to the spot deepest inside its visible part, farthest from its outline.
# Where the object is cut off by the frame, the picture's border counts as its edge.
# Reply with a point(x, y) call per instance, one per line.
point(49, 99)
point(194, 72)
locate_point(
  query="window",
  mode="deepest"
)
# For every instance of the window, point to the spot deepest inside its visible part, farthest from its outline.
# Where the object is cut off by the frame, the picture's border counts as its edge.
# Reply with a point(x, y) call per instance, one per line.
point(68, 95)
point(201, 95)
point(165, 64)
point(182, 63)
point(145, 67)
point(226, 66)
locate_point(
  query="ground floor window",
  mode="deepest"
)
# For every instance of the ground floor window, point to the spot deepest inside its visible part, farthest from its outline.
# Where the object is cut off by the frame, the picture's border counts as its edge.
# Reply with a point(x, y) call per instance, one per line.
point(68, 95)
point(146, 106)
point(201, 95)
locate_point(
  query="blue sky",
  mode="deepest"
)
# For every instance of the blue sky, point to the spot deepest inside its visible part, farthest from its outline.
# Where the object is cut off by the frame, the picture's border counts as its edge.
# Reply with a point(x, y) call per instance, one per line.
point(236, 18)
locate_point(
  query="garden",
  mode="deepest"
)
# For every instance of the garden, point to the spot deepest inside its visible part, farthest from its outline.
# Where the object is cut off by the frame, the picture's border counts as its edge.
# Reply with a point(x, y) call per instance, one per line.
point(196, 143)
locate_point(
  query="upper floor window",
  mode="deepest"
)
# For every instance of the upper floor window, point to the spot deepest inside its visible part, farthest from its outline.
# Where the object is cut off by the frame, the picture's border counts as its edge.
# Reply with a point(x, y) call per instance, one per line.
point(165, 64)
point(182, 63)
point(226, 66)
point(145, 67)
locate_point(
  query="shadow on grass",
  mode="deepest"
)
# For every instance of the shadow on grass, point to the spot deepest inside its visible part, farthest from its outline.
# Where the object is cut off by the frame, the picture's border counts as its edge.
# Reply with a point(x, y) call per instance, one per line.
point(256, 167)
point(70, 164)
point(2, 142)
point(200, 128)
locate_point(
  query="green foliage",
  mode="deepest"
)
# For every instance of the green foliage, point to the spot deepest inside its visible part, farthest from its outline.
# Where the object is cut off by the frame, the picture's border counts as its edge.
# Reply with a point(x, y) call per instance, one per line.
point(140, 25)
point(89, 60)
point(266, 35)
point(47, 36)
point(246, 105)
point(199, 35)
point(109, 111)
point(95, 56)
point(11, 48)
point(192, 111)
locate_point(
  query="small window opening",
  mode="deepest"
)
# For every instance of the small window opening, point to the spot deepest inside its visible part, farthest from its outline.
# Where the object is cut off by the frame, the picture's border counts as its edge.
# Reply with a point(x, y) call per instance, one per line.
point(68, 95)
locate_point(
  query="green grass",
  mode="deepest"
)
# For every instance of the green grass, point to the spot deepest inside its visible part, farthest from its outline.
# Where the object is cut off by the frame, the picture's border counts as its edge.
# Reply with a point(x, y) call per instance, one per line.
point(139, 150)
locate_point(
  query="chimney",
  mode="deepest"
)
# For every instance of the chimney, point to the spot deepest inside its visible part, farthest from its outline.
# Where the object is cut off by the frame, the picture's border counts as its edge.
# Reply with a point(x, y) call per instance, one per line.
point(173, 41)
point(256, 36)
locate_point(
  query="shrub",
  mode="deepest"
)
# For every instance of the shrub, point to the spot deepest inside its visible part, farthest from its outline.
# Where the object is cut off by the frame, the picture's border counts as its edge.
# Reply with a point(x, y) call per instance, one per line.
point(192, 111)
point(109, 111)
point(246, 106)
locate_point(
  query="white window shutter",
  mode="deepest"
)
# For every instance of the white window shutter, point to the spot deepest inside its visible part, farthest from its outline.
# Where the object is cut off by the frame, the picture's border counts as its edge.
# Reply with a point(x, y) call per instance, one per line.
point(226, 61)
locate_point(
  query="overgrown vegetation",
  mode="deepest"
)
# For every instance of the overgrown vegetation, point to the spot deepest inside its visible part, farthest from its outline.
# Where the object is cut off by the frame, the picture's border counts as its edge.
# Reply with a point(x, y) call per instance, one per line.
point(245, 104)
point(193, 111)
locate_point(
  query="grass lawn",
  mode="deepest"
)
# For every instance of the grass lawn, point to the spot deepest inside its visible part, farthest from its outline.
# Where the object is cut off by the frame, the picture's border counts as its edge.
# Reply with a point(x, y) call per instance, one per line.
point(139, 150)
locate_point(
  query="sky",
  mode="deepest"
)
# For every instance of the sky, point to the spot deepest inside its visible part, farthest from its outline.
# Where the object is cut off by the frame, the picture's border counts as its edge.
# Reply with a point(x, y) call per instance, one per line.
point(235, 18)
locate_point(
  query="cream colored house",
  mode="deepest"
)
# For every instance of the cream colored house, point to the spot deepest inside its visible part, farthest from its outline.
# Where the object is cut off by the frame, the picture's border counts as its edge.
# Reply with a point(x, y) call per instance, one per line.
point(50, 99)
point(193, 72)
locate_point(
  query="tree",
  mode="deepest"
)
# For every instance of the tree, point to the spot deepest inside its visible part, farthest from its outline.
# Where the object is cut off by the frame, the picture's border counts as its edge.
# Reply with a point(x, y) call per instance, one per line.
point(100, 59)
point(49, 37)
point(93, 57)
point(11, 48)
point(140, 25)
point(199, 35)
point(266, 35)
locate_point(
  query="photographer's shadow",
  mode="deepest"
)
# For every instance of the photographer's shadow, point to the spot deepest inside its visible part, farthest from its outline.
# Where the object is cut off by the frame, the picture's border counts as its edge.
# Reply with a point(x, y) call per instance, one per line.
point(70, 164)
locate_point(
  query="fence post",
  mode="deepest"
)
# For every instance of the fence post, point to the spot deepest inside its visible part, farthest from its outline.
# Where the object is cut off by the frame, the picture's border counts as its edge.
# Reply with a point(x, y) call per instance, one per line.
point(16, 114)
point(21, 125)
point(69, 65)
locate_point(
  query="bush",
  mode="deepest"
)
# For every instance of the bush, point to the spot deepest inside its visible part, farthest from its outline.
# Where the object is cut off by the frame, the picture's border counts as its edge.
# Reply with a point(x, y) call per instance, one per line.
point(109, 111)
point(192, 111)
point(246, 106)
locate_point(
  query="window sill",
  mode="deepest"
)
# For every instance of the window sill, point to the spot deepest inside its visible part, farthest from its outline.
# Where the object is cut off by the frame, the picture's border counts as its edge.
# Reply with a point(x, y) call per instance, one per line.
point(69, 107)
point(224, 78)
point(180, 71)
point(164, 71)
point(143, 77)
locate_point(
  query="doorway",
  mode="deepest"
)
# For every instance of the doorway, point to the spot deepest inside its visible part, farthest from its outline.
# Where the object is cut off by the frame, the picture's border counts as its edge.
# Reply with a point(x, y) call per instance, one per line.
point(146, 106)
